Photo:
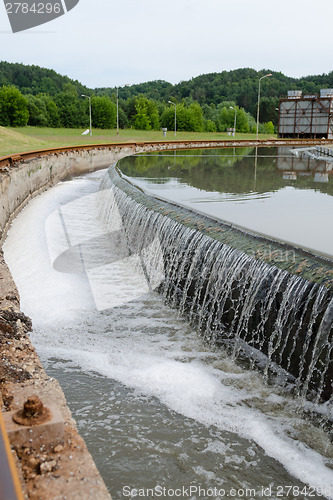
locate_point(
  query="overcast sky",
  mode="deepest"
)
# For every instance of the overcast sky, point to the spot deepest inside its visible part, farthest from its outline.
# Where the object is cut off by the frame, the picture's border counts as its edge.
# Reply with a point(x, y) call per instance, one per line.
point(103, 43)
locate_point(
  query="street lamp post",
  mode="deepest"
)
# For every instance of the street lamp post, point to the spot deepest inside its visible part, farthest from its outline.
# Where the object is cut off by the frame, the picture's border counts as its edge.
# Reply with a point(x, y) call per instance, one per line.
point(117, 114)
point(231, 107)
point(90, 128)
point(175, 116)
point(265, 76)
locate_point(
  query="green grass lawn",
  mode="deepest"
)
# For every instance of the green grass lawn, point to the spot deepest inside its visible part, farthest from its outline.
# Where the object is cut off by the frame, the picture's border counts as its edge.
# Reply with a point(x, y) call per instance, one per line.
point(17, 140)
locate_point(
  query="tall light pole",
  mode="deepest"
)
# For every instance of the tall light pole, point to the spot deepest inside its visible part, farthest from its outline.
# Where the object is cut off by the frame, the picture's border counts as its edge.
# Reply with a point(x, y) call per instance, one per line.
point(175, 116)
point(88, 96)
point(117, 114)
point(265, 76)
point(231, 107)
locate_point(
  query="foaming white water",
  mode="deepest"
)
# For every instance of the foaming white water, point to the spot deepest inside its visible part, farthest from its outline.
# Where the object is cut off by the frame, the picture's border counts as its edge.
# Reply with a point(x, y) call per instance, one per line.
point(45, 294)
point(140, 343)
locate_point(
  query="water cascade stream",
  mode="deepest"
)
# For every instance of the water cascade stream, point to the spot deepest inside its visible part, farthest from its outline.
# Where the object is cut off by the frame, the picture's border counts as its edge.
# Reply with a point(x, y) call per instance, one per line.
point(236, 300)
point(158, 406)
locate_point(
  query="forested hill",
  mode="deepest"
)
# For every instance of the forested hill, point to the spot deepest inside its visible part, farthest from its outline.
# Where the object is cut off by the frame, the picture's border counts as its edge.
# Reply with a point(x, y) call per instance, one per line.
point(35, 80)
point(239, 86)
point(159, 90)
point(41, 97)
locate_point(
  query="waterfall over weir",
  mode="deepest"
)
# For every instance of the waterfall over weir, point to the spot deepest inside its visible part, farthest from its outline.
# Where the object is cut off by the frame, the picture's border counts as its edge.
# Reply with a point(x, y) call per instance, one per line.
point(259, 312)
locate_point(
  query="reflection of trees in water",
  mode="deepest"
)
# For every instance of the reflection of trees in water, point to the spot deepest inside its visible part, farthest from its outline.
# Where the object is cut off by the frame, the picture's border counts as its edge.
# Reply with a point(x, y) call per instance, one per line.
point(230, 170)
point(173, 162)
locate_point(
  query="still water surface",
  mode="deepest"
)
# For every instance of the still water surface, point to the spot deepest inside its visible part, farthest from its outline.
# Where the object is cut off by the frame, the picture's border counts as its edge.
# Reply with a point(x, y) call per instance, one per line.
point(274, 193)
point(157, 406)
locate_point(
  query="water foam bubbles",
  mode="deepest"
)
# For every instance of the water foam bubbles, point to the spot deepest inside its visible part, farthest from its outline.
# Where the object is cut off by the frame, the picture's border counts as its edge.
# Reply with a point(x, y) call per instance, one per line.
point(144, 345)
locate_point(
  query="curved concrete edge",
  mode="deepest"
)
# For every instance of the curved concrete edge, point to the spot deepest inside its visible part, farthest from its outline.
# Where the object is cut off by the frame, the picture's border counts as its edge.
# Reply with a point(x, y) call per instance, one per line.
point(285, 256)
point(25, 179)
point(66, 471)
point(72, 473)
point(243, 291)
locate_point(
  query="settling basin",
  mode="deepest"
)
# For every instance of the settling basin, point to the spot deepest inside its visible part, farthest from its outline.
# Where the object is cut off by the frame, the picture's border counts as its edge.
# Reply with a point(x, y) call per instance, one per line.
point(268, 190)
point(159, 406)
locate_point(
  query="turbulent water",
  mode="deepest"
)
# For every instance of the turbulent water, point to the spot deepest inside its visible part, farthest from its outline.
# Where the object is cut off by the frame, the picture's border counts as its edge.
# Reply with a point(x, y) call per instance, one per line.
point(246, 304)
point(158, 407)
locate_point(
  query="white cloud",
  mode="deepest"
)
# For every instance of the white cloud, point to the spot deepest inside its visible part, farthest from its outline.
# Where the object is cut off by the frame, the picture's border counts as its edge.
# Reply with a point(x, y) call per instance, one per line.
point(105, 43)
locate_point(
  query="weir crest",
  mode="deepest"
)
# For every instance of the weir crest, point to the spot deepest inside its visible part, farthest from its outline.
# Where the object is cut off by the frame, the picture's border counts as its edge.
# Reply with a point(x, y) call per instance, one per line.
point(261, 312)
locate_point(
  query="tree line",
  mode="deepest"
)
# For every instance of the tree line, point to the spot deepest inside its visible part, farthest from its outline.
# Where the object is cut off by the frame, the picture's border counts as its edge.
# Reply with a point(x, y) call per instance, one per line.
point(30, 95)
point(71, 110)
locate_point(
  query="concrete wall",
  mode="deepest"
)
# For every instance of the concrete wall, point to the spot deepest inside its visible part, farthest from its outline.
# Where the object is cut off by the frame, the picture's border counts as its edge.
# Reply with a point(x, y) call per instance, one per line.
point(27, 178)
point(21, 178)
point(21, 372)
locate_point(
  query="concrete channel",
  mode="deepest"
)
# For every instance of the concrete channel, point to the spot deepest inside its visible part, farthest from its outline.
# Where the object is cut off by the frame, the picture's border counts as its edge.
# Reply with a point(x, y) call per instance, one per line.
point(53, 461)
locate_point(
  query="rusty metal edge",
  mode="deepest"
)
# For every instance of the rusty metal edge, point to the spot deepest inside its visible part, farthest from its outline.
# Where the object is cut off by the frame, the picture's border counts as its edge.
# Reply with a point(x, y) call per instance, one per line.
point(10, 485)
point(9, 160)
